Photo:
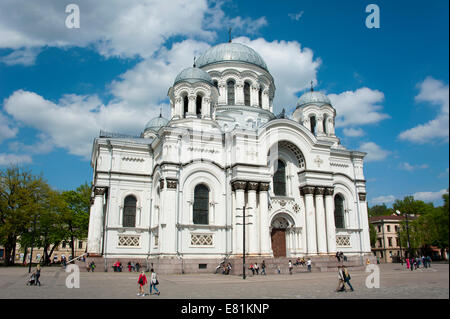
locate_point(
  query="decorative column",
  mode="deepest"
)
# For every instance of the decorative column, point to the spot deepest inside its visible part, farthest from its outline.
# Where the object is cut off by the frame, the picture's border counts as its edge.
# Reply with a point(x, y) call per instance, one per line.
point(191, 106)
point(168, 247)
point(222, 93)
point(254, 95)
point(206, 109)
point(320, 221)
point(265, 100)
point(253, 243)
point(264, 231)
point(239, 189)
point(329, 215)
point(95, 231)
point(319, 123)
point(308, 192)
point(239, 93)
point(330, 126)
point(363, 215)
point(178, 112)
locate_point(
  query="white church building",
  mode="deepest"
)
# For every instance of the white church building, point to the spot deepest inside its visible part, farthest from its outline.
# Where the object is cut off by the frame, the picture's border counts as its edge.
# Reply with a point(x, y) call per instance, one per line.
point(178, 191)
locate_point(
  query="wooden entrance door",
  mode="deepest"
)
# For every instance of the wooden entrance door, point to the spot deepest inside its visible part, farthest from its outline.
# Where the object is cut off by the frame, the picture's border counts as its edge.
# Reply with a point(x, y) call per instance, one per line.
point(279, 242)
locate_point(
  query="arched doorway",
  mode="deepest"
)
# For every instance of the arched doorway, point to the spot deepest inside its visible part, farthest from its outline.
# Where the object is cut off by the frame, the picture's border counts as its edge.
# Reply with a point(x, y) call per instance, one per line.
point(278, 236)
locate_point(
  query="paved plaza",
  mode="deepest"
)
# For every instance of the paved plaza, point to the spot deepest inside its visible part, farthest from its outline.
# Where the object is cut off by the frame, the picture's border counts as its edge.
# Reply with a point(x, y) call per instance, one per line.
point(396, 283)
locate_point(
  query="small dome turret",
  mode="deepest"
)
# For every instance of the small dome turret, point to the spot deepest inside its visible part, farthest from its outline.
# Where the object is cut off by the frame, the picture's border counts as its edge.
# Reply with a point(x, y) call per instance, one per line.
point(193, 75)
point(313, 97)
point(156, 123)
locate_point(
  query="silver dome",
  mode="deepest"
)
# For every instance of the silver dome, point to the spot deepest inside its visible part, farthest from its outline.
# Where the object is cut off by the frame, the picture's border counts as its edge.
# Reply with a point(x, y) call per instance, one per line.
point(193, 75)
point(156, 123)
point(313, 97)
point(232, 52)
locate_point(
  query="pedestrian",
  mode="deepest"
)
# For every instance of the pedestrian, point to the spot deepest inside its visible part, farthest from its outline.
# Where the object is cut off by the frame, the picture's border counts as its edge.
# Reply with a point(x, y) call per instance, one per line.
point(256, 268)
point(345, 257)
point(252, 269)
point(92, 266)
point(347, 277)
point(142, 281)
point(411, 262)
point(308, 263)
point(129, 266)
point(341, 284)
point(38, 274)
point(290, 267)
point(154, 282)
point(263, 268)
point(138, 266)
point(278, 269)
point(228, 269)
point(429, 261)
point(407, 263)
point(338, 257)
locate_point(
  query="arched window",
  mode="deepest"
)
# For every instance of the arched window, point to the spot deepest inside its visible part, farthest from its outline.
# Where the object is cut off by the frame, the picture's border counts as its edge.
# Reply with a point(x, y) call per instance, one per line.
point(279, 179)
point(247, 94)
point(260, 97)
point(230, 92)
point(216, 84)
point(198, 106)
point(339, 211)
point(185, 105)
point(325, 124)
point(201, 204)
point(313, 124)
point(129, 212)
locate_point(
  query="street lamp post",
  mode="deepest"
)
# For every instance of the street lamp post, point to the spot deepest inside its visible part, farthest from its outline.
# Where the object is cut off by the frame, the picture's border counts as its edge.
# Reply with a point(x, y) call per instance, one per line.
point(32, 245)
point(407, 231)
point(243, 237)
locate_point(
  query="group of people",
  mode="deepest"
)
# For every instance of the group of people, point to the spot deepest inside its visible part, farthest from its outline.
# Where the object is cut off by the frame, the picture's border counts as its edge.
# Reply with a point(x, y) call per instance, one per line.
point(343, 278)
point(142, 281)
point(255, 268)
point(34, 278)
point(414, 263)
point(91, 266)
point(299, 262)
point(340, 255)
point(226, 268)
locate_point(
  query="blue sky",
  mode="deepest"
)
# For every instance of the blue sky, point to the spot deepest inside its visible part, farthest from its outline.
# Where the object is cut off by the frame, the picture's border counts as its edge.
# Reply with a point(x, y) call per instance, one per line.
point(60, 86)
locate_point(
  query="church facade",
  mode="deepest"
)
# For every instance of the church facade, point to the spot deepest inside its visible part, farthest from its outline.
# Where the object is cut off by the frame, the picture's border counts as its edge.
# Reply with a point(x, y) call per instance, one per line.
point(225, 165)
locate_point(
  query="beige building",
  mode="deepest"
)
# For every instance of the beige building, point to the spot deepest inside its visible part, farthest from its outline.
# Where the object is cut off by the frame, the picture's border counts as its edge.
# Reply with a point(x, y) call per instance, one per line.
point(63, 249)
point(388, 246)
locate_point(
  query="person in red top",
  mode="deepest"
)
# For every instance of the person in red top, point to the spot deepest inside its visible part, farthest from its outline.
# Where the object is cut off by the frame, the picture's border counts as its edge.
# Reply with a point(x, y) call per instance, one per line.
point(142, 281)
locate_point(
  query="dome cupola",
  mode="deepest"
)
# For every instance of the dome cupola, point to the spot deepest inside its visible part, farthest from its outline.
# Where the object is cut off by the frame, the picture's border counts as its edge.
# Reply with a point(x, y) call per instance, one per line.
point(231, 52)
point(156, 123)
point(313, 97)
point(193, 75)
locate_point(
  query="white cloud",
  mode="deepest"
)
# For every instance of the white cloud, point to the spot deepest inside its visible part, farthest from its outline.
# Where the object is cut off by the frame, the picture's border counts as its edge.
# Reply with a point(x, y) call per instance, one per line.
point(383, 199)
point(435, 93)
point(408, 167)
point(352, 132)
point(113, 27)
point(44, 145)
point(296, 16)
point(6, 131)
point(292, 67)
point(430, 196)
point(8, 159)
point(374, 152)
point(24, 56)
point(358, 107)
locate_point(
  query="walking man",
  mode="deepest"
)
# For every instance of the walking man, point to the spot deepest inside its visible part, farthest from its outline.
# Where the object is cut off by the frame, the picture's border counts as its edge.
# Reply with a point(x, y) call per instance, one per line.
point(154, 282)
point(290, 267)
point(347, 277)
point(263, 268)
point(308, 263)
point(38, 274)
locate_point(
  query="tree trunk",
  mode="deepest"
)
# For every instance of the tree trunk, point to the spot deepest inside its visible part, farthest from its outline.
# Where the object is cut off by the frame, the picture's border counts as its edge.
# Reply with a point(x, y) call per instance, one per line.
point(25, 253)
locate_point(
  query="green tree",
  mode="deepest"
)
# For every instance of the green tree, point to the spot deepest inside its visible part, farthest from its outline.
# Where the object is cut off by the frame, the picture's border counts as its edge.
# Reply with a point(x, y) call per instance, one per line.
point(20, 200)
point(409, 205)
point(373, 235)
point(380, 210)
point(76, 213)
